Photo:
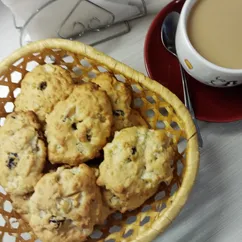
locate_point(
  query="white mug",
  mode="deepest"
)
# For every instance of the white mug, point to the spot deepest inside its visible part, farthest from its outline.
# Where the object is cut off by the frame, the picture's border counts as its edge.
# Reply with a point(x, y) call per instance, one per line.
point(196, 65)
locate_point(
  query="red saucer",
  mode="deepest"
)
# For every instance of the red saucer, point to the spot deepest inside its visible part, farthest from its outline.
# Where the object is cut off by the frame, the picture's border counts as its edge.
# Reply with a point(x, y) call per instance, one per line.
point(209, 103)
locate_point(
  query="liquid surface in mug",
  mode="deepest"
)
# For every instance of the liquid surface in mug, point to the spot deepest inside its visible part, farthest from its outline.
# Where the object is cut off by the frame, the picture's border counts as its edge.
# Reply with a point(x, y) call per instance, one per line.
point(215, 30)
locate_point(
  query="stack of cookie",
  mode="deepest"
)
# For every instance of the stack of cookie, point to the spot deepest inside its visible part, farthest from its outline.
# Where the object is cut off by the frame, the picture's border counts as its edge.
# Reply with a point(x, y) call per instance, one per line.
point(57, 128)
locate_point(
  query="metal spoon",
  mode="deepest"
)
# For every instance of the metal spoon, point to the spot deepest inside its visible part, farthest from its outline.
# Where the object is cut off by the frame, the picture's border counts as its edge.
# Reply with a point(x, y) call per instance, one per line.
point(168, 34)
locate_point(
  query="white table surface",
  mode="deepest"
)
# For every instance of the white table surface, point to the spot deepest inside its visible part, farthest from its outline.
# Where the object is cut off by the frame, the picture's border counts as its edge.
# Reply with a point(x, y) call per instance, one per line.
point(214, 210)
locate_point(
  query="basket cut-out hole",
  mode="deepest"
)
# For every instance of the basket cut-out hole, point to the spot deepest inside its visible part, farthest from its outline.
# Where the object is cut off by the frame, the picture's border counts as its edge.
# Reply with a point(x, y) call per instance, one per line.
point(36, 54)
point(9, 107)
point(56, 50)
point(16, 77)
point(26, 236)
point(145, 221)
point(2, 191)
point(2, 121)
point(49, 59)
point(91, 74)
point(68, 59)
point(150, 113)
point(31, 65)
point(77, 70)
point(114, 229)
point(131, 220)
point(64, 67)
point(4, 91)
point(179, 168)
point(8, 238)
point(7, 206)
point(136, 88)
point(18, 62)
point(110, 240)
point(175, 125)
point(174, 189)
point(117, 216)
point(160, 125)
point(163, 111)
point(160, 196)
point(16, 92)
point(14, 223)
point(182, 139)
point(128, 233)
point(138, 102)
point(160, 207)
point(120, 78)
point(85, 63)
point(182, 145)
point(2, 221)
point(150, 99)
point(102, 69)
point(96, 234)
point(146, 208)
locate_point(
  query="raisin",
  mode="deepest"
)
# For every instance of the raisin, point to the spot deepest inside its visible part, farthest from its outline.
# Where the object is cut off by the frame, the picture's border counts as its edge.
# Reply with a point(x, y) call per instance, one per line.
point(13, 117)
point(12, 160)
point(42, 86)
point(118, 113)
point(74, 126)
point(57, 221)
point(134, 150)
point(88, 136)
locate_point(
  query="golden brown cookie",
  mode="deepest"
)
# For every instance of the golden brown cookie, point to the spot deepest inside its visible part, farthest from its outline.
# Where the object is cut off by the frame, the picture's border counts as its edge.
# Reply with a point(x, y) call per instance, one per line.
point(120, 97)
point(22, 153)
point(42, 88)
point(66, 205)
point(78, 128)
point(21, 205)
point(136, 119)
point(135, 163)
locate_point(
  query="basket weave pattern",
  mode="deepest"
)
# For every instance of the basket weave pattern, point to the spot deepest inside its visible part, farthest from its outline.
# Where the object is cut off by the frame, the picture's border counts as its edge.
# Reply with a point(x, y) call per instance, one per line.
point(158, 106)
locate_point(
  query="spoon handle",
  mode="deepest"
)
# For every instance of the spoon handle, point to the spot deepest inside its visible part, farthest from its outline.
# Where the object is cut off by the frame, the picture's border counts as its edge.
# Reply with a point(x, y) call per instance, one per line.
point(188, 104)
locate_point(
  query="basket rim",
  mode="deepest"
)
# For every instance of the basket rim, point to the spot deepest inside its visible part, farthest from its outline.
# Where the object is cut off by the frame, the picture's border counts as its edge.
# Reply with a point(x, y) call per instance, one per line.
point(192, 150)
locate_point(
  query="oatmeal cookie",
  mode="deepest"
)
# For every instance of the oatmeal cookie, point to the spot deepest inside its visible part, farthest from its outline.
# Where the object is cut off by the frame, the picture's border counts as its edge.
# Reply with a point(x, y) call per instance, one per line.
point(120, 97)
point(78, 127)
point(21, 205)
point(42, 88)
point(135, 163)
point(66, 205)
point(136, 119)
point(22, 153)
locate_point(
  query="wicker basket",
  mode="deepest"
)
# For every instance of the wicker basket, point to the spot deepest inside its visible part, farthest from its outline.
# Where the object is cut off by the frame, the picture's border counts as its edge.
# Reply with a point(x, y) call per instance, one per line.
point(156, 104)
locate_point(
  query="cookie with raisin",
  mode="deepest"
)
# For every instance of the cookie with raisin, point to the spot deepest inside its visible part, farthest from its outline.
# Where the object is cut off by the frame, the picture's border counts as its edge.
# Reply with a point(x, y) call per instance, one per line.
point(42, 88)
point(135, 163)
point(67, 204)
point(78, 127)
point(120, 96)
point(22, 153)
